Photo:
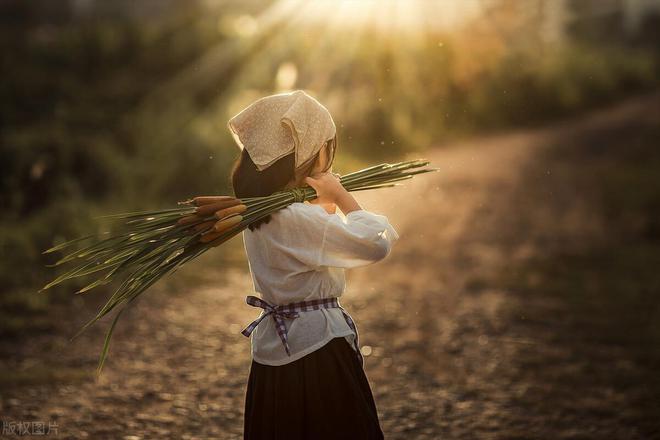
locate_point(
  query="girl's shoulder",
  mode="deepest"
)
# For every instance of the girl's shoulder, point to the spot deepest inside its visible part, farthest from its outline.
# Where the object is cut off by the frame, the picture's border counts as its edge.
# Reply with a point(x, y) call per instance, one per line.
point(307, 207)
point(303, 210)
point(298, 216)
point(314, 211)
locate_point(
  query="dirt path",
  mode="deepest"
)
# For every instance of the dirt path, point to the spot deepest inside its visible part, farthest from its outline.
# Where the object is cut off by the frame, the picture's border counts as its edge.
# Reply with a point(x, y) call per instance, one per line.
point(452, 352)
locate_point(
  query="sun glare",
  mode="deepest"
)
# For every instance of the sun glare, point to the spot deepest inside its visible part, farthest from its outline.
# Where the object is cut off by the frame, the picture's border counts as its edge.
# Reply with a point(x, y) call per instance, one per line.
point(391, 15)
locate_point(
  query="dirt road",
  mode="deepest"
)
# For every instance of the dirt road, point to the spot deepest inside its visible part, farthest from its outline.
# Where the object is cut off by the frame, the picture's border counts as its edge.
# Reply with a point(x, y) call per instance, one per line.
point(454, 349)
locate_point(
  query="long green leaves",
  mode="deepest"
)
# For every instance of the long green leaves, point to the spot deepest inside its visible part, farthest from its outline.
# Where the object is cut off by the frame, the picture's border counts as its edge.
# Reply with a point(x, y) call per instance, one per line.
point(151, 244)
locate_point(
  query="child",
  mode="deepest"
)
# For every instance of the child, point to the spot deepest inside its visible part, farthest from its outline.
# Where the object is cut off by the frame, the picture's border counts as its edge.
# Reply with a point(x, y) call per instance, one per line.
point(306, 378)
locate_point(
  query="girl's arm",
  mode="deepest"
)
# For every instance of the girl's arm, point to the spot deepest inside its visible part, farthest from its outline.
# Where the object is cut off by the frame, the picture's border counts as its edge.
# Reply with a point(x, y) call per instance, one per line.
point(330, 190)
point(328, 240)
point(347, 203)
point(363, 238)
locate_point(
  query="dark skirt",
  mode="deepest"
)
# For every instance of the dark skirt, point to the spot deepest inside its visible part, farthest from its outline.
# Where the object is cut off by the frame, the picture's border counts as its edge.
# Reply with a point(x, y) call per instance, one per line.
point(323, 395)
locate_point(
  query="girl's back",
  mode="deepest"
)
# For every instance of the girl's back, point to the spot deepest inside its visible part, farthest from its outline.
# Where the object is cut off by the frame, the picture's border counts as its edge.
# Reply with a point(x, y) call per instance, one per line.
point(300, 255)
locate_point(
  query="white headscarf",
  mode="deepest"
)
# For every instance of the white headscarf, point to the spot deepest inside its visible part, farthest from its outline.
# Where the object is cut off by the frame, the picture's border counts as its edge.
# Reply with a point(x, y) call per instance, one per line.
point(276, 125)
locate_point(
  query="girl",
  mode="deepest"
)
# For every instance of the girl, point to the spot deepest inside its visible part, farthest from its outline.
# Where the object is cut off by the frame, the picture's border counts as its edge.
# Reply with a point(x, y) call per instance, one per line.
point(306, 378)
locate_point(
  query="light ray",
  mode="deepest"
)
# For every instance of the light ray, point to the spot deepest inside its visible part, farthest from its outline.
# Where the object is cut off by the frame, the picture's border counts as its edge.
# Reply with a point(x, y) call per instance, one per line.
point(221, 63)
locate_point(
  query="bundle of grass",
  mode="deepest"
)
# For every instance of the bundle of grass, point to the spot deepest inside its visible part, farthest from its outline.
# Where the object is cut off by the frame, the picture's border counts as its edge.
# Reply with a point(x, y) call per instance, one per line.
point(152, 244)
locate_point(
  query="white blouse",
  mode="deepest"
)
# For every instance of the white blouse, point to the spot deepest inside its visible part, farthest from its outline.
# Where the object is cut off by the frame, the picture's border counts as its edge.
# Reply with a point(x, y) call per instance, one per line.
point(301, 254)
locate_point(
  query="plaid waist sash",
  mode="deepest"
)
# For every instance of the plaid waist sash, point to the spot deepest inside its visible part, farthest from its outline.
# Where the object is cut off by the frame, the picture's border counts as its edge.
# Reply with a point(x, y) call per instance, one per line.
point(290, 311)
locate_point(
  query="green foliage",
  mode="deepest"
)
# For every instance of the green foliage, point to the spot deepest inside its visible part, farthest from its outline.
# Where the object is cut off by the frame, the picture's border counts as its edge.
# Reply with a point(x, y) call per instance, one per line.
point(115, 113)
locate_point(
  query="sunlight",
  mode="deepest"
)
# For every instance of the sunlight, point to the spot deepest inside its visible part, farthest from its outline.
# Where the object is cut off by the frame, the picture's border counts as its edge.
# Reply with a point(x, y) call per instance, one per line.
point(392, 15)
point(286, 76)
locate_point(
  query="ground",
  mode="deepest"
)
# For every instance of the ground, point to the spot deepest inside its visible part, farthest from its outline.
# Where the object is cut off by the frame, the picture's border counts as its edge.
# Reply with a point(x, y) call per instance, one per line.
point(493, 316)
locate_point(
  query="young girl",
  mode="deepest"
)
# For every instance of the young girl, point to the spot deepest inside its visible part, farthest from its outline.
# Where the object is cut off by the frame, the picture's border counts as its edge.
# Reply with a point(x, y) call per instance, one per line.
point(306, 378)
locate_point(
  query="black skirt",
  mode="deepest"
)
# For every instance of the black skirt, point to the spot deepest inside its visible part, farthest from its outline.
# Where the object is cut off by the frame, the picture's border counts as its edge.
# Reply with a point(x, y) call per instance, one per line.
point(323, 395)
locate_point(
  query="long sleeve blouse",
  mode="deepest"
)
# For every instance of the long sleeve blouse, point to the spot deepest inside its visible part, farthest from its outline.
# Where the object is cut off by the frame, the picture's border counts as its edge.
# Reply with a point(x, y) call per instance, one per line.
point(301, 254)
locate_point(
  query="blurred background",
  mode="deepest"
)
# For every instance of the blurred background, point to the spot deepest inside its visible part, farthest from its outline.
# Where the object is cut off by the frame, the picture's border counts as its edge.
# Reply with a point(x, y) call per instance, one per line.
point(117, 106)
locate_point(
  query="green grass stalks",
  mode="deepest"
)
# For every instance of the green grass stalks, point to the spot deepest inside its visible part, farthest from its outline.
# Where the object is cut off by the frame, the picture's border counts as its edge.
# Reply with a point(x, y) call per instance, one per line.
point(151, 244)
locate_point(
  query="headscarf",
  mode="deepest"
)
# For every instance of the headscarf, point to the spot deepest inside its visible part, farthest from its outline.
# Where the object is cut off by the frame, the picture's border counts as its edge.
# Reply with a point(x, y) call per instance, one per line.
point(276, 125)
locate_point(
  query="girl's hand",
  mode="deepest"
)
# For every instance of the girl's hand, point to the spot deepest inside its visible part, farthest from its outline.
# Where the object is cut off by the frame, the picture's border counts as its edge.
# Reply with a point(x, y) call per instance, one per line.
point(328, 187)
